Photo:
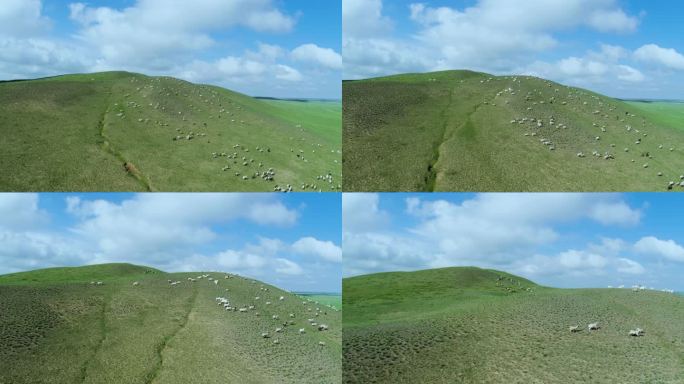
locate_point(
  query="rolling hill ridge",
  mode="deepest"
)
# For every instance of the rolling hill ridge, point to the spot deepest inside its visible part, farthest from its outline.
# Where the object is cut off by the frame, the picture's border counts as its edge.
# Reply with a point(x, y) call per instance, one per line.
point(125, 323)
point(469, 325)
point(120, 131)
point(470, 131)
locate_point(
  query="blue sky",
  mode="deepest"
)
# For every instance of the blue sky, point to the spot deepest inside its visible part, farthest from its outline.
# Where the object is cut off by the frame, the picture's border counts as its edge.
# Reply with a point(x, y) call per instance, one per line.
point(561, 240)
point(622, 48)
point(290, 240)
point(260, 47)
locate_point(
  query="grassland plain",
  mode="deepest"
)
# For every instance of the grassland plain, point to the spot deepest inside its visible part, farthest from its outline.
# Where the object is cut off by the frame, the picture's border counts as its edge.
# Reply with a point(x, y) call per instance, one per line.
point(56, 327)
point(469, 131)
point(75, 132)
point(333, 300)
point(468, 325)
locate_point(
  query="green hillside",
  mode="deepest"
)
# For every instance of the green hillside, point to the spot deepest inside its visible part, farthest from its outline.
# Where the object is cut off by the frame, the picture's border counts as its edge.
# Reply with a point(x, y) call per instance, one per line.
point(468, 131)
point(468, 325)
point(58, 327)
point(76, 132)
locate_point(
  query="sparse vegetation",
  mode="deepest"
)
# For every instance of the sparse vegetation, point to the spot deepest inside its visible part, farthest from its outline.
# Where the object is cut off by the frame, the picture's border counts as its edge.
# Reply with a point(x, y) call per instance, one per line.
point(468, 131)
point(60, 328)
point(468, 325)
point(119, 131)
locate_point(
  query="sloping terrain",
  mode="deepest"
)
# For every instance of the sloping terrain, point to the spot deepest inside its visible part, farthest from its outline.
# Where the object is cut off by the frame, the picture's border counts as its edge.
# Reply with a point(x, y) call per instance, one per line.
point(57, 327)
point(468, 131)
point(119, 131)
point(468, 325)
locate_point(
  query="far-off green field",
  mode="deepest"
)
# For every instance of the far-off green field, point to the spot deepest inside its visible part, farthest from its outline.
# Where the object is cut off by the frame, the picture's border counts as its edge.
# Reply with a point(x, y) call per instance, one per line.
point(469, 131)
point(330, 299)
point(119, 131)
point(120, 323)
point(469, 325)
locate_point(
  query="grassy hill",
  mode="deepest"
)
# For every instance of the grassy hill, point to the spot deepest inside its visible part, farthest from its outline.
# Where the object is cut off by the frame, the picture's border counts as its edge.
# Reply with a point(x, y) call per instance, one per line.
point(468, 325)
point(75, 132)
point(468, 131)
point(57, 327)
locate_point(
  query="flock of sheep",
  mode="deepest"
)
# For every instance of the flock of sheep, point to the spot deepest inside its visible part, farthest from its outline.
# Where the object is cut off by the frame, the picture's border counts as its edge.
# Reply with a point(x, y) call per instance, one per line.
point(278, 326)
point(244, 166)
point(601, 110)
point(595, 327)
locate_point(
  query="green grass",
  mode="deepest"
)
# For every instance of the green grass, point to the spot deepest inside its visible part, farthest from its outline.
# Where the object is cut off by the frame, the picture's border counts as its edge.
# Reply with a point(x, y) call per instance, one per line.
point(452, 131)
point(669, 114)
point(468, 325)
point(333, 300)
point(74, 133)
point(58, 328)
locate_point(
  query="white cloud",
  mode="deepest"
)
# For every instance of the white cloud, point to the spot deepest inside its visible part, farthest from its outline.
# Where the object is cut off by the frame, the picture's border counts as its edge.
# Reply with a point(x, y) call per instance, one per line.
point(490, 230)
point(652, 246)
point(612, 20)
point(132, 226)
point(361, 212)
point(326, 250)
point(496, 36)
point(312, 53)
point(152, 34)
point(363, 18)
point(666, 57)
point(20, 211)
point(21, 18)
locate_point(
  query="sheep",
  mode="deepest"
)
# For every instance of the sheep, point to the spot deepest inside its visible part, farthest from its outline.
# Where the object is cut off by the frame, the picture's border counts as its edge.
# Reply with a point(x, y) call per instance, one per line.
point(276, 341)
point(265, 335)
point(292, 315)
point(322, 327)
point(302, 330)
point(135, 283)
point(99, 283)
point(279, 329)
point(215, 282)
point(281, 298)
point(321, 343)
point(575, 328)
point(243, 309)
point(593, 326)
point(275, 317)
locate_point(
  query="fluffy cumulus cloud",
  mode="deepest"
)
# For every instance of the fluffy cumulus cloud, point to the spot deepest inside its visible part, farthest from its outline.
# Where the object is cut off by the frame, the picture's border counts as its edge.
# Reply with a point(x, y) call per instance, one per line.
point(494, 35)
point(22, 18)
point(185, 41)
point(504, 231)
point(666, 57)
point(505, 37)
point(311, 53)
point(174, 232)
point(667, 249)
point(326, 250)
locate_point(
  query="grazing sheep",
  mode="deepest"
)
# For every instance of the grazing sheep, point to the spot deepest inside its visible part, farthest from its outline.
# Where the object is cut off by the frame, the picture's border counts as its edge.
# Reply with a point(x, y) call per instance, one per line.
point(593, 326)
point(278, 329)
point(302, 330)
point(276, 341)
point(322, 327)
point(321, 343)
point(281, 298)
point(575, 328)
point(275, 317)
point(265, 335)
point(135, 283)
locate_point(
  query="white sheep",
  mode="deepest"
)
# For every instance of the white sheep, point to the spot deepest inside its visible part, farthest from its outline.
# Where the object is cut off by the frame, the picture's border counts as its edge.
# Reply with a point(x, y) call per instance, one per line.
point(593, 326)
